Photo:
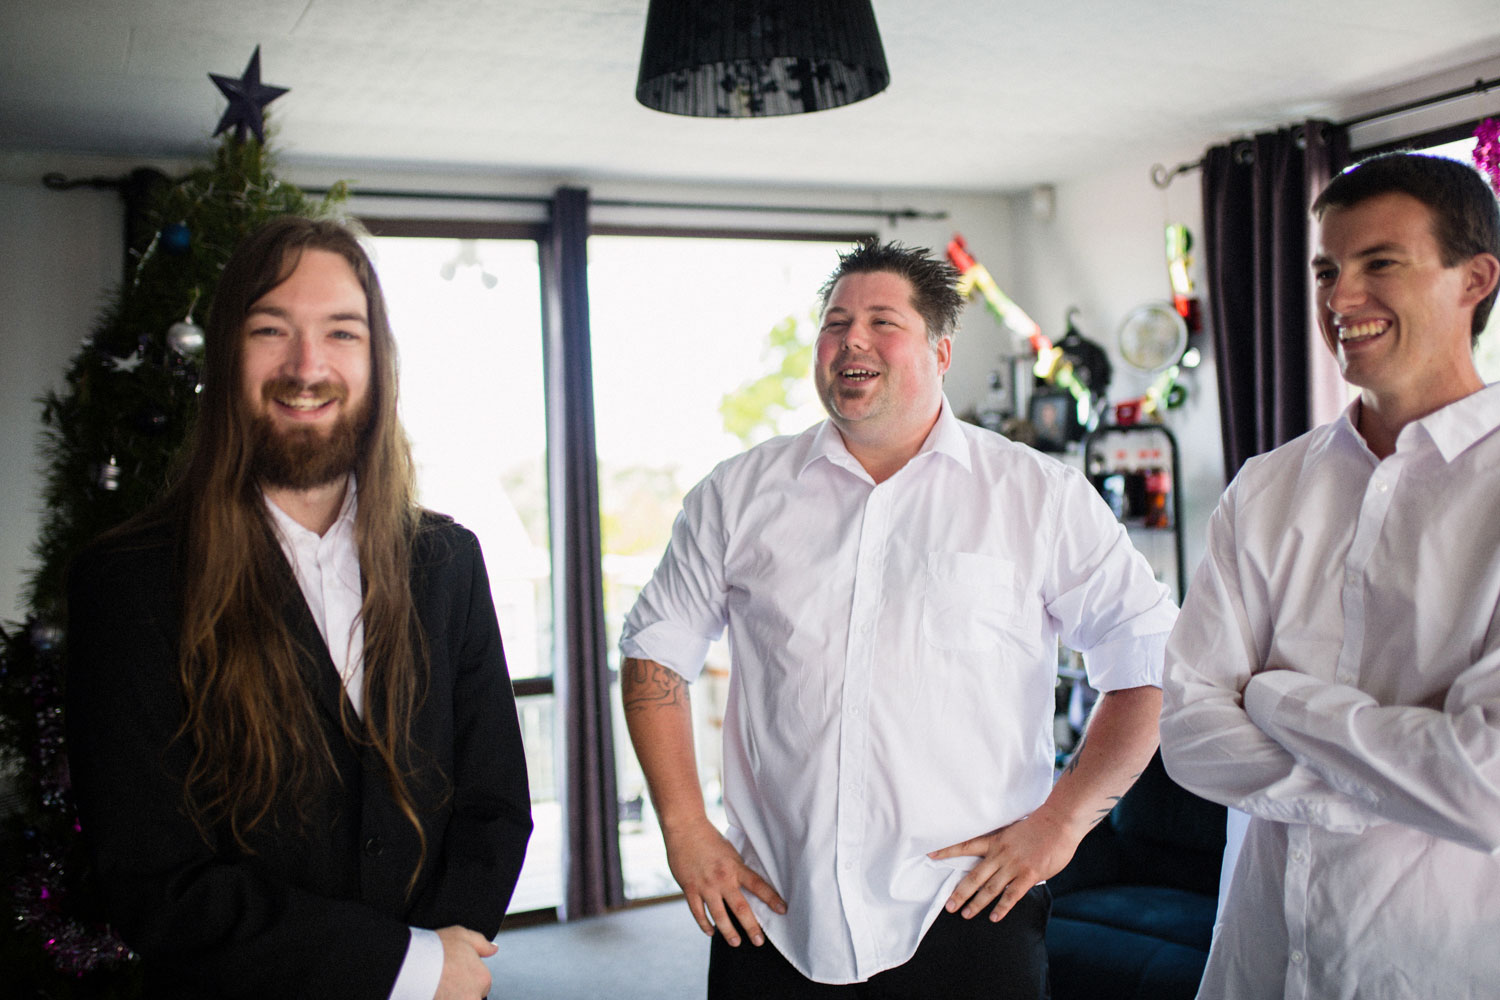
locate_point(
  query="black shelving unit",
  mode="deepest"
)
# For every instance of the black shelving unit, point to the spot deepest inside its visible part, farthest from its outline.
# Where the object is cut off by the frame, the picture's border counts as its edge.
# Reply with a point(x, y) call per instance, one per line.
point(1124, 463)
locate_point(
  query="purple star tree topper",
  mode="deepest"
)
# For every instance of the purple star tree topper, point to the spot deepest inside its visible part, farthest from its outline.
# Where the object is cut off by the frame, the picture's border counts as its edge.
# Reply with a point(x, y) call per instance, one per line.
point(248, 98)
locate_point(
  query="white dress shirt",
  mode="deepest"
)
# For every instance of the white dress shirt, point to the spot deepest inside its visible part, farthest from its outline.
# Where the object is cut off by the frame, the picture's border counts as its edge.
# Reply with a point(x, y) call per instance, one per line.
point(328, 574)
point(1370, 763)
point(894, 652)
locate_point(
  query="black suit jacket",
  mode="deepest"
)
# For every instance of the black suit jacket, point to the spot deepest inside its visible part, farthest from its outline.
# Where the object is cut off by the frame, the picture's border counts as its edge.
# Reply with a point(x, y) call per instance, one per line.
point(319, 909)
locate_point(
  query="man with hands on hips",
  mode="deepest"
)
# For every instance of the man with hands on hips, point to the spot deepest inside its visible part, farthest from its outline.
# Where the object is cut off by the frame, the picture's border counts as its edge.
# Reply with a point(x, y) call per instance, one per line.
point(895, 584)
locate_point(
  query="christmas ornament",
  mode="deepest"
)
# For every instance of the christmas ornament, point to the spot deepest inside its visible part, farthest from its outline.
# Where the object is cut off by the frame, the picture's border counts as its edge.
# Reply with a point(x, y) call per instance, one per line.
point(109, 475)
point(151, 420)
point(1487, 151)
point(44, 636)
point(176, 238)
point(248, 98)
point(130, 363)
point(185, 337)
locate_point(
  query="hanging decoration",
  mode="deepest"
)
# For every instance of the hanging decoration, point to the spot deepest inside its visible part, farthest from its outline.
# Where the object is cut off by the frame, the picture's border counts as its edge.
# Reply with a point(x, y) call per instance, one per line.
point(248, 98)
point(1052, 365)
point(1179, 273)
point(186, 337)
point(109, 475)
point(1487, 151)
point(176, 238)
point(1090, 362)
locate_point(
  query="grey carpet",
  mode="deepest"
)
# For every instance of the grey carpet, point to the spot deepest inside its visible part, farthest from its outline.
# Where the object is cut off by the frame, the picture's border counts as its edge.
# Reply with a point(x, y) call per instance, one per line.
point(653, 952)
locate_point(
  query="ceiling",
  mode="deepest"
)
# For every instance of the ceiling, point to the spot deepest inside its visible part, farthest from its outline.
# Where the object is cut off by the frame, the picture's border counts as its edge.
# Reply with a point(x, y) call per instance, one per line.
point(984, 96)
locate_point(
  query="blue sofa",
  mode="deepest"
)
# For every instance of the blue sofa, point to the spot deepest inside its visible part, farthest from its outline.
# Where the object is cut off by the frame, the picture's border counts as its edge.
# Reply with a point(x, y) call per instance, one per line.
point(1133, 912)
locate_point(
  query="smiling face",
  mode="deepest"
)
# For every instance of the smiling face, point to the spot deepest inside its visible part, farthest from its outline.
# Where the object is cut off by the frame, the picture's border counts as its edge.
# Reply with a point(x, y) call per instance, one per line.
point(305, 373)
point(879, 377)
point(1397, 320)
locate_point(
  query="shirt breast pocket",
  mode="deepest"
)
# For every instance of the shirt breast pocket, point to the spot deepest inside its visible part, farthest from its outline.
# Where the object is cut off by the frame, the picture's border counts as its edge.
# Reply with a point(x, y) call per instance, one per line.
point(970, 601)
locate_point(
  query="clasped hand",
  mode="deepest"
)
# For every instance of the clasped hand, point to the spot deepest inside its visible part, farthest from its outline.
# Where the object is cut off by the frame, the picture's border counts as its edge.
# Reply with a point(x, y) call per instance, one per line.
point(465, 976)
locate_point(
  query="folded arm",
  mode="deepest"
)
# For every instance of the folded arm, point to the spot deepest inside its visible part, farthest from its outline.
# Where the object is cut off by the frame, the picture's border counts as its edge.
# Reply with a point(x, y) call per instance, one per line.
point(1283, 745)
point(1433, 769)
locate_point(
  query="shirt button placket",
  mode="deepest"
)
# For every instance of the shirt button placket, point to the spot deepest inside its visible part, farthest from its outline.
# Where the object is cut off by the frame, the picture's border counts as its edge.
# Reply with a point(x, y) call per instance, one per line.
point(1296, 889)
point(854, 721)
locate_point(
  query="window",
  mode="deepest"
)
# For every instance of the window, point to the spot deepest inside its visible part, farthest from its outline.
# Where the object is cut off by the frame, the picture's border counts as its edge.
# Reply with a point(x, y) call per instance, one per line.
point(686, 374)
point(1487, 349)
point(701, 347)
point(467, 319)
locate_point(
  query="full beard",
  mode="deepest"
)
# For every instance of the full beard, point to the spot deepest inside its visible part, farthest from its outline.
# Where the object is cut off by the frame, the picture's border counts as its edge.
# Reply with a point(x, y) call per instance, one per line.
point(304, 458)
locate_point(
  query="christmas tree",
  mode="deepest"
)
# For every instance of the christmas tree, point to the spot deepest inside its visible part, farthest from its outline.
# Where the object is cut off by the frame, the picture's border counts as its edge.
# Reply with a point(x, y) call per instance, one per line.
point(110, 436)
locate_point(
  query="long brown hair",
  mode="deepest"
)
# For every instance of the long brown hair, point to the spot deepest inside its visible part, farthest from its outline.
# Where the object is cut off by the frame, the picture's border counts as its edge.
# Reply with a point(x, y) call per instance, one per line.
point(251, 719)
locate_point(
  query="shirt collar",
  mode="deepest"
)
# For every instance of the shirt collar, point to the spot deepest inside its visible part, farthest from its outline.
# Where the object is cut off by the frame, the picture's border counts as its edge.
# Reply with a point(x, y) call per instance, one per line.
point(1453, 429)
point(1348, 425)
point(945, 438)
point(289, 529)
point(1460, 424)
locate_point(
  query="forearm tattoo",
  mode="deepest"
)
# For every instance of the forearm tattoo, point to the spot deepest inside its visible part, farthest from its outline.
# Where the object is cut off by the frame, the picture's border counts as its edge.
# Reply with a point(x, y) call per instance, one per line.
point(1072, 764)
point(648, 684)
point(1099, 817)
point(1112, 800)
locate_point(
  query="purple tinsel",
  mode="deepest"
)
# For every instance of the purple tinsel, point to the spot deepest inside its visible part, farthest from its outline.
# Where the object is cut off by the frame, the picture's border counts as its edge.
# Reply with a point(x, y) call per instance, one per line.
point(1487, 150)
point(75, 949)
point(39, 903)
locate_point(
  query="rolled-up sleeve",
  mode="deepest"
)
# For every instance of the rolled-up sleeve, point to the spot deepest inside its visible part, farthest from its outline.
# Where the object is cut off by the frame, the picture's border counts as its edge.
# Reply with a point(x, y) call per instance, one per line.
point(683, 609)
point(1110, 605)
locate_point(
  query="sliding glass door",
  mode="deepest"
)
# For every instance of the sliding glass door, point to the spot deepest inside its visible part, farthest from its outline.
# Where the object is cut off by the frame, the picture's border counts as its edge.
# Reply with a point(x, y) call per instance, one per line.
point(700, 348)
point(467, 318)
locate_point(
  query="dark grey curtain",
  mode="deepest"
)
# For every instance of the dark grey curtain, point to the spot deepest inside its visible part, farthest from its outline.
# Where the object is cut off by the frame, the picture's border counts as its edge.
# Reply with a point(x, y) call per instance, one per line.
point(1256, 195)
point(591, 848)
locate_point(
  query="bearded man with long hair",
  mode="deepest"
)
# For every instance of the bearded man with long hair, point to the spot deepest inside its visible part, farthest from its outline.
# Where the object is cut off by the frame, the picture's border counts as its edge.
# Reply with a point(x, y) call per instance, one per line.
point(293, 740)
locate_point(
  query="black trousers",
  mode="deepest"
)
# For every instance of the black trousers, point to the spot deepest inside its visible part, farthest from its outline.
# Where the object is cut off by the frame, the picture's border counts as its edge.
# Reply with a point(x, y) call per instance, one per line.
point(957, 959)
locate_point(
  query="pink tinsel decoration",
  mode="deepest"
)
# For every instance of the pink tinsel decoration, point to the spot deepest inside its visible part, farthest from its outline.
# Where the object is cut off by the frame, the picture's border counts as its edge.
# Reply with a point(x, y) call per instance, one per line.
point(1487, 150)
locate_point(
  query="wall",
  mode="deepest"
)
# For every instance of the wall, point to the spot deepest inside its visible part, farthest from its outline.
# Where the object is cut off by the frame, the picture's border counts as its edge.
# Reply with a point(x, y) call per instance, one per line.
point(60, 254)
point(1102, 250)
point(60, 259)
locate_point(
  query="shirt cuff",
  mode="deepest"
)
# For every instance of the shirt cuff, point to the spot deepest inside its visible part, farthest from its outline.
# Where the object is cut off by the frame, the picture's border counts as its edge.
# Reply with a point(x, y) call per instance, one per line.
point(422, 969)
point(669, 644)
point(1126, 663)
point(1267, 689)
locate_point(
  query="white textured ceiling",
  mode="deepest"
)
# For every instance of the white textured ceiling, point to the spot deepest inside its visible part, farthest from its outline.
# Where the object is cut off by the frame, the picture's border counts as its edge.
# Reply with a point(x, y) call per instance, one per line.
point(984, 95)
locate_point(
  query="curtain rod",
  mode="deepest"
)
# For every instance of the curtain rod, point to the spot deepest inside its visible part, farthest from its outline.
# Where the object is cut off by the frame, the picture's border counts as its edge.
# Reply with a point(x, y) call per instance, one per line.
point(59, 182)
point(1162, 177)
point(892, 214)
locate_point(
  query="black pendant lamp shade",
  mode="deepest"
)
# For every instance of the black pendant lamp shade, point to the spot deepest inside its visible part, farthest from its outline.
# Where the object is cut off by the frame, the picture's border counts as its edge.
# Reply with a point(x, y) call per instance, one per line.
point(759, 58)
